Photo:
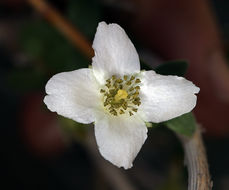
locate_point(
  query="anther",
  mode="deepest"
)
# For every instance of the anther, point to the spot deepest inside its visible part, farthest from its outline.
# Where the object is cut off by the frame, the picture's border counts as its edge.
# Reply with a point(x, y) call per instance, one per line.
point(137, 81)
point(102, 91)
point(121, 111)
point(135, 109)
point(108, 85)
point(137, 87)
point(130, 113)
point(124, 106)
point(131, 89)
point(119, 80)
point(112, 92)
point(113, 77)
point(128, 83)
point(132, 78)
point(135, 95)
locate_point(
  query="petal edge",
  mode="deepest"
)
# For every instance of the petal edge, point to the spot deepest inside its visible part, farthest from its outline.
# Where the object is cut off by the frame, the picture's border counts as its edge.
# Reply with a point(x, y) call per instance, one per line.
point(119, 139)
point(165, 97)
point(114, 52)
point(73, 95)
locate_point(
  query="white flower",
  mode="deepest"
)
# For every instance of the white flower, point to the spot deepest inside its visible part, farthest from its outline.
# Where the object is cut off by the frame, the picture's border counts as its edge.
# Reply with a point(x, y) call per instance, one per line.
point(118, 97)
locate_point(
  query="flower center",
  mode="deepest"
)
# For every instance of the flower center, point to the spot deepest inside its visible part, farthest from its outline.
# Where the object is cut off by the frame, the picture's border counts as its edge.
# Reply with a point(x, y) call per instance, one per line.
point(121, 95)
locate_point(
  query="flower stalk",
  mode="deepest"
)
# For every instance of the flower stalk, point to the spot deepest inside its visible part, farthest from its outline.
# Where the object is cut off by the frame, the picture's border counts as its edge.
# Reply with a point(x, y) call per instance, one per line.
point(196, 161)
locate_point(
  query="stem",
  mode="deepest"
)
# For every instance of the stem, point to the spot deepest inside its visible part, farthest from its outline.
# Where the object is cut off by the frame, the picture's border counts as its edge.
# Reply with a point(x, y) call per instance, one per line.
point(196, 161)
point(69, 31)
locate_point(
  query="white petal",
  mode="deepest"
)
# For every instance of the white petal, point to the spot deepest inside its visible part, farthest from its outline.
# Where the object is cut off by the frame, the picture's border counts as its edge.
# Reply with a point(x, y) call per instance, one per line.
point(74, 95)
point(120, 139)
point(165, 97)
point(114, 52)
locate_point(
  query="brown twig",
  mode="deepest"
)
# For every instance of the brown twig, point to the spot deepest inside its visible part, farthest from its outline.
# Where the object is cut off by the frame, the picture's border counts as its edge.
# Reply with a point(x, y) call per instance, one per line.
point(199, 177)
point(196, 161)
point(70, 32)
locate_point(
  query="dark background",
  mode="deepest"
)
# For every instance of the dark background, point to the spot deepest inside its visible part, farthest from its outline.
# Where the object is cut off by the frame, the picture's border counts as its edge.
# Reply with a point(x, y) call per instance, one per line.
point(37, 151)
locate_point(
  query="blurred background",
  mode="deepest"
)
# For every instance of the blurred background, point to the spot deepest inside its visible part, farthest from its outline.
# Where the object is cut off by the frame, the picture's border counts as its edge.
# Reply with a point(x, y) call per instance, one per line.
point(41, 150)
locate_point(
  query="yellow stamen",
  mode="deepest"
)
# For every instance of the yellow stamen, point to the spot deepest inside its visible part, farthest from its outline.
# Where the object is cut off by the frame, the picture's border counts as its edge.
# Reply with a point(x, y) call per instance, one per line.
point(121, 95)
